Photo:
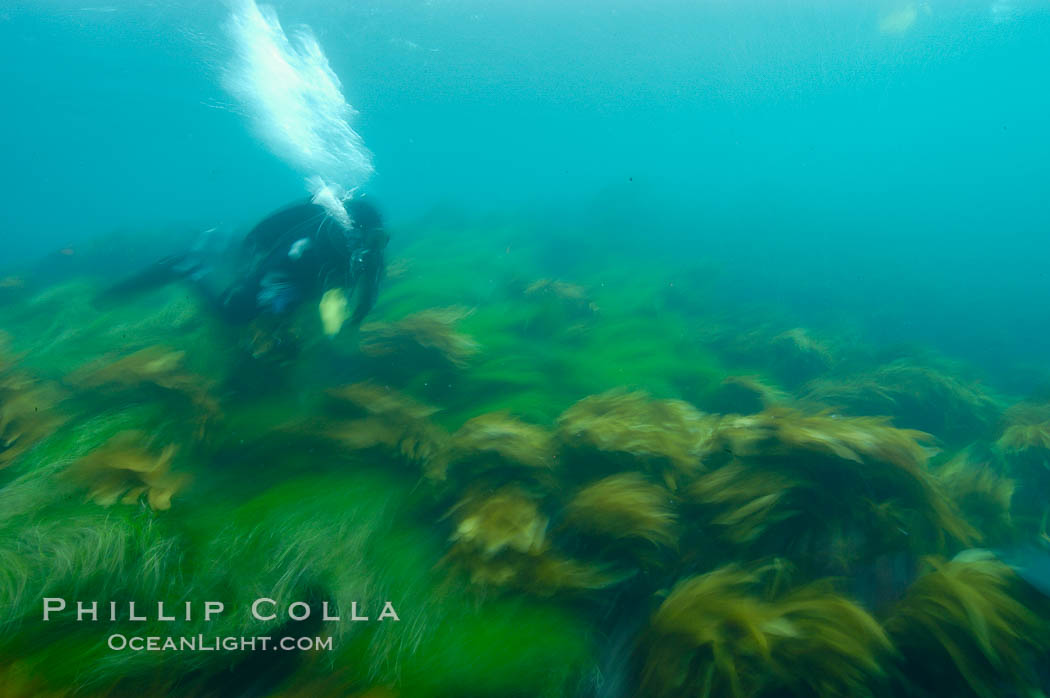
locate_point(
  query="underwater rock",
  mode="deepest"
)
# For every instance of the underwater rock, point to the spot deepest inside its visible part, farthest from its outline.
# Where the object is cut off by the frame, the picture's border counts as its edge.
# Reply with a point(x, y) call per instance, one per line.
point(624, 506)
point(427, 338)
point(125, 469)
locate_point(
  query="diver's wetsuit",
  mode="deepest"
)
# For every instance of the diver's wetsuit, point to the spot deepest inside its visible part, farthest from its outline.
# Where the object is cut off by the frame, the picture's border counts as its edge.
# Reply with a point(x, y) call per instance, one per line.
point(300, 252)
point(293, 255)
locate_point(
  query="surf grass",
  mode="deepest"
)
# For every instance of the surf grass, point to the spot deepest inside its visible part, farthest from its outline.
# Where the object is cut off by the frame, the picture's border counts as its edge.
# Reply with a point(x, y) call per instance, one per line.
point(588, 399)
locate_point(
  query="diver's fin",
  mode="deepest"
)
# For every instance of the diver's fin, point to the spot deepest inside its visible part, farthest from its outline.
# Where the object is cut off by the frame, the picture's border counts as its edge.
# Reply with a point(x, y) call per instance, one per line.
point(157, 275)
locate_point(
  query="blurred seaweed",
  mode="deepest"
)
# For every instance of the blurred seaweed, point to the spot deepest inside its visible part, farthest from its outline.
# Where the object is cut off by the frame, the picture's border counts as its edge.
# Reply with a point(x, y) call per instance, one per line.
point(614, 485)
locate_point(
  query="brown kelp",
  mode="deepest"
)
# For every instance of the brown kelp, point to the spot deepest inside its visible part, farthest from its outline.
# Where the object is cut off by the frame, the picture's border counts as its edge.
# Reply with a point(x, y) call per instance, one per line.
point(631, 430)
point(369, 415)
point(728, 522)
point(427, 338)
point(741, 502)
point(508, 520)
point(155, 373)
point(855, 476)
point(1024, 449)
point(802, 351)
point(500, 540)
point(981, 492)
point(624, 506)
point(559, 307)
point(29, 411)
point(965, 625)
point(127, 468)
point(500, 445)
point(917, 395)
point(560, 289)
point(748, 394)
point(1026, 429)
point(856, 439)
point(793, 355)
point(728, 633)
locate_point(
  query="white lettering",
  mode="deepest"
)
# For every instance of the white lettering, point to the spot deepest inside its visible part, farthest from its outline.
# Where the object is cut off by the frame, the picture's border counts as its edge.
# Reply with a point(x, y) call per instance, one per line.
point(50, 605)
point(255, 609)
point(388, 612)
point(306, 612)
point(211, 608)
point(83, 610)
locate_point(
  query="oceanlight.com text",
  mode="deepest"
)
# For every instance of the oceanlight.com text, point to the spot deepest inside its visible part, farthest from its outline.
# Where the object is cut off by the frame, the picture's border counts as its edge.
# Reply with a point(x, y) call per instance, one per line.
point(202, 643)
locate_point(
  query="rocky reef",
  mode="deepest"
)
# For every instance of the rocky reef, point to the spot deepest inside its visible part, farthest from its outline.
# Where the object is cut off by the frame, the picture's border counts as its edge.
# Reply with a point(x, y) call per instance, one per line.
point(568, 483)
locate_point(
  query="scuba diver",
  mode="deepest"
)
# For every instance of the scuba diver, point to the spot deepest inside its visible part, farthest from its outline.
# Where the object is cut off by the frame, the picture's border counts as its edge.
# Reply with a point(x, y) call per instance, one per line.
point(299, 253)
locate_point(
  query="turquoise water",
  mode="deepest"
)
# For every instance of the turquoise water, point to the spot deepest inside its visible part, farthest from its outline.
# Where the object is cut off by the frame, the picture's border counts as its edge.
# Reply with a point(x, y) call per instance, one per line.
point(858, 167)
point(709, 360)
